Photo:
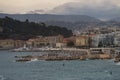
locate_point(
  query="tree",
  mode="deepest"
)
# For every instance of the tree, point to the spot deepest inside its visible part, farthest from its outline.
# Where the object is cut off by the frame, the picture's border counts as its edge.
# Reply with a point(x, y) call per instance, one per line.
point(70, 44)
point(27, 21)
point(16, 29)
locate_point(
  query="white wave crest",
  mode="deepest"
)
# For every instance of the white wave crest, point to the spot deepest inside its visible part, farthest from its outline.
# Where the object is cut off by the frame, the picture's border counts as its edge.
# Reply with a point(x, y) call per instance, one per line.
point(118, 63)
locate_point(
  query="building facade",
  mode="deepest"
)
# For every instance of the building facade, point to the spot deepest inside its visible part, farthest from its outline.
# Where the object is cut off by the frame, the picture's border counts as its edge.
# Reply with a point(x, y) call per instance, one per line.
point(82, 41)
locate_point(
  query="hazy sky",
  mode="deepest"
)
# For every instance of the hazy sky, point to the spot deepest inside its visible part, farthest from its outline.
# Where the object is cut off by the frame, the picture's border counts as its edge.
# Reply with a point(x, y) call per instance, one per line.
point(22, 6)
point(95, 8)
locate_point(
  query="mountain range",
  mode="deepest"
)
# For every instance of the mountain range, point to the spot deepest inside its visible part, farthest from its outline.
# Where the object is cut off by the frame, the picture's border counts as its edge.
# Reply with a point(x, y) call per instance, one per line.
point(51, 17)
point(74, 22)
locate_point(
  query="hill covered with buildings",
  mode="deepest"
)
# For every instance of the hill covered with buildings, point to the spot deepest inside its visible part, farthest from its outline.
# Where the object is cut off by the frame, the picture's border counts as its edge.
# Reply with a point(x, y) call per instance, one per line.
point(23, 30)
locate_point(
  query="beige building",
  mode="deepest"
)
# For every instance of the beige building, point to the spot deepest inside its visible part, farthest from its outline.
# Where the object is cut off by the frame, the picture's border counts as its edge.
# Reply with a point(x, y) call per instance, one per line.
point(37, 42)
point(82, 41)
point(45, 41)
point(7, 43)
point(19, 43)
point(52, 40)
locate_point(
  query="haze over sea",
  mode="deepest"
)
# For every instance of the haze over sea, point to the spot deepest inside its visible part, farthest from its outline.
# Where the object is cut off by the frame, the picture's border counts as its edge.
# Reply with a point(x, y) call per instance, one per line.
point(55, 70)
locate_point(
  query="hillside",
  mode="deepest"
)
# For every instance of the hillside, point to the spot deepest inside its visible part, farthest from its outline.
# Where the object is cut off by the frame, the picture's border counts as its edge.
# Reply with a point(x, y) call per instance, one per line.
point(15, 29)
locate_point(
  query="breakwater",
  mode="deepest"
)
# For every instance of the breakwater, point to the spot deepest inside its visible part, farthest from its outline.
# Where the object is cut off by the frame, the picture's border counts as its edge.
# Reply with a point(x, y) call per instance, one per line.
point(64, 55)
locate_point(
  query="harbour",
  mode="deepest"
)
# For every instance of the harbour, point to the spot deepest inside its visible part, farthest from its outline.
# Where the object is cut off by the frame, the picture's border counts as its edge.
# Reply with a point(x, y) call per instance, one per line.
point(56, 70)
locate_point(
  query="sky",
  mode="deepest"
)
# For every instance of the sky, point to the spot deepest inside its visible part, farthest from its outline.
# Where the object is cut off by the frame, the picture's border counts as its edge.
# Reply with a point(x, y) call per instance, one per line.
point(23, 6)
point(95, 8)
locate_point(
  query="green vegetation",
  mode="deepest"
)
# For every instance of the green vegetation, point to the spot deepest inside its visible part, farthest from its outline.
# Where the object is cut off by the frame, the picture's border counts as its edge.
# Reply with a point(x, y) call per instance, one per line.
point(70, 44)
point(16, 29)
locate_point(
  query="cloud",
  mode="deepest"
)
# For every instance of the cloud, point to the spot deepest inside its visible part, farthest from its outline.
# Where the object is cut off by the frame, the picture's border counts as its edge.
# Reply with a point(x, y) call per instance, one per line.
point(104, 9)
point(40, 11)
point(23, 6)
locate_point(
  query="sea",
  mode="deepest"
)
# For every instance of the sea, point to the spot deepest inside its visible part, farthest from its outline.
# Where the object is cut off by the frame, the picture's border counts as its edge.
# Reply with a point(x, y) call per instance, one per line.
point(56, 70)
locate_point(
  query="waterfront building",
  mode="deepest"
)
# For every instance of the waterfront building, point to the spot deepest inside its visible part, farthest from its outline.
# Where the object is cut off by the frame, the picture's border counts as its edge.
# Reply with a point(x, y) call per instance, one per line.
point(82, 41)
point(69, 42)
point(19, 43)
point(45, 41)
point(37, 42)
point(117, 38)
point(102, 40)
point(52, 40)
point(95, 39)
point(7, 43)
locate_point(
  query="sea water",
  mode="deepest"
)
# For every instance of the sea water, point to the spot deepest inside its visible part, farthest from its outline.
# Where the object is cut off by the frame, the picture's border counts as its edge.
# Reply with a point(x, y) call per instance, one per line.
point(56, 70)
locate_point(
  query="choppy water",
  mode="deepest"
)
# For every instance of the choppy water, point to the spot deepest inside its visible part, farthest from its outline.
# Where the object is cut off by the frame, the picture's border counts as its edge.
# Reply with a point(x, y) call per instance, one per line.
point(55, 70)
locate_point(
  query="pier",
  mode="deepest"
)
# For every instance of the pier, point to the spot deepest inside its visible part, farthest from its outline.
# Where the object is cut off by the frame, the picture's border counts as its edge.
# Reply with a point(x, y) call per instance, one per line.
point(70, 54)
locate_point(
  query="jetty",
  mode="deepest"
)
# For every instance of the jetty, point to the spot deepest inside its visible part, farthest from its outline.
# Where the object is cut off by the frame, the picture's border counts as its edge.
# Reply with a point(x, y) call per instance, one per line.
point(70, 54)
